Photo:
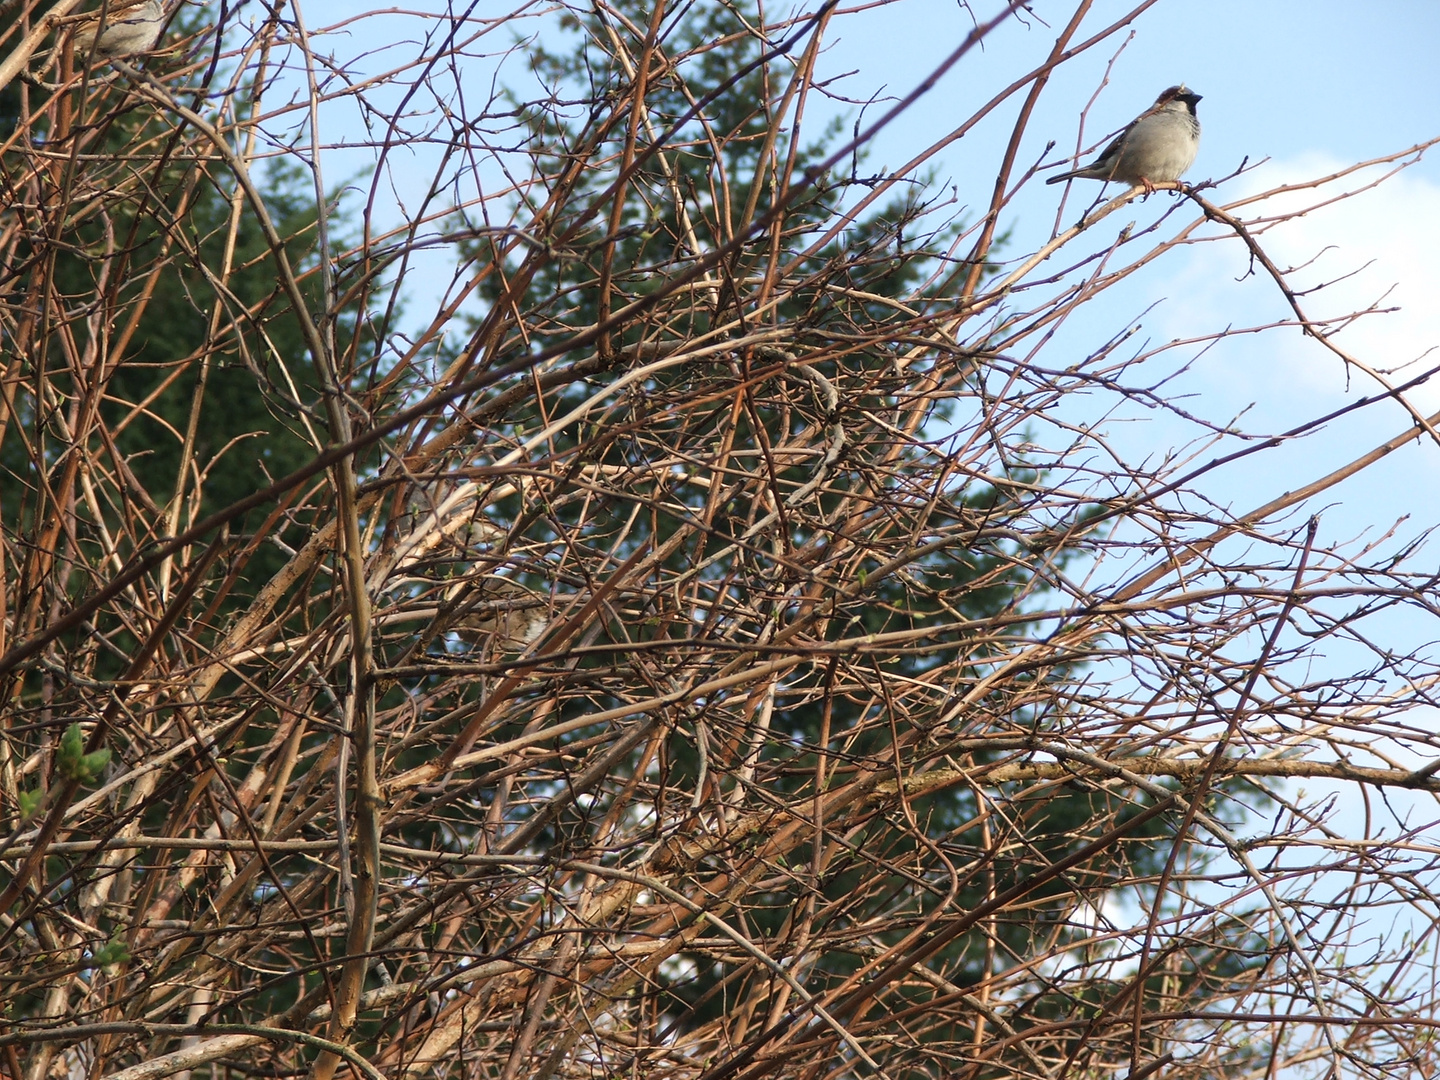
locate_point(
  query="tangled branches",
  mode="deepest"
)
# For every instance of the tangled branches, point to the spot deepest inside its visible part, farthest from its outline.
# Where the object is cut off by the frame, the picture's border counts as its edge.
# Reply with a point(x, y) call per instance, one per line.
point(711, 635)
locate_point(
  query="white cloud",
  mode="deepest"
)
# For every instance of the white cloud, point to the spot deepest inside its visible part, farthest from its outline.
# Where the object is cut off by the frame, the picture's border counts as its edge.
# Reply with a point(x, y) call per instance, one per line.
point(1377, 247)
point(1265, 384)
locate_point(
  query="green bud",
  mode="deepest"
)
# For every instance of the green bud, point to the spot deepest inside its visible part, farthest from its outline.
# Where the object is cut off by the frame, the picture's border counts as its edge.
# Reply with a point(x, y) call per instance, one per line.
point(74, 763)
point(72, 744)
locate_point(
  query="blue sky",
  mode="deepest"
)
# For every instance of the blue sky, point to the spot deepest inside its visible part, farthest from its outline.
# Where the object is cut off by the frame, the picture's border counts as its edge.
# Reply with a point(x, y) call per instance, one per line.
point(1312, 86)
point(1280, 77)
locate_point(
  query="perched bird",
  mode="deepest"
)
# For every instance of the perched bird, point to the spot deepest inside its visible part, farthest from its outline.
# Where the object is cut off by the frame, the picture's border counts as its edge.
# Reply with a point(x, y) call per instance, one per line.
point(128, 28)
point(1156, 147)
point(508, 616)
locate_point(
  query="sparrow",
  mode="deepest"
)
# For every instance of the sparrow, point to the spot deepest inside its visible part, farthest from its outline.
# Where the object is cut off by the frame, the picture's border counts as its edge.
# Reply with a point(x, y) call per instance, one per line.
point(128, 28)
point(1156, 147)
point(508, 615)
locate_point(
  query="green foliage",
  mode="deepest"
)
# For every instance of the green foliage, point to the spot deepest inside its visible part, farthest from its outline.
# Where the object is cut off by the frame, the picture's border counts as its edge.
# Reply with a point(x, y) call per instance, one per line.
point(173, 304)
point(114, 951)
point(30, 802)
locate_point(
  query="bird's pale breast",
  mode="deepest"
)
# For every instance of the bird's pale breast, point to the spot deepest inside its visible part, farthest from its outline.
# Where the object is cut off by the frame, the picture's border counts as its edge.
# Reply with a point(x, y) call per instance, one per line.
point(1159, 148)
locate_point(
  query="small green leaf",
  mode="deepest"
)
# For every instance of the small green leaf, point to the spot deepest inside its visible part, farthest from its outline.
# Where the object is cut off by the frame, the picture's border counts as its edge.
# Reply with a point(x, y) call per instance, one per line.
point(30, 801)
point(114, 951)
